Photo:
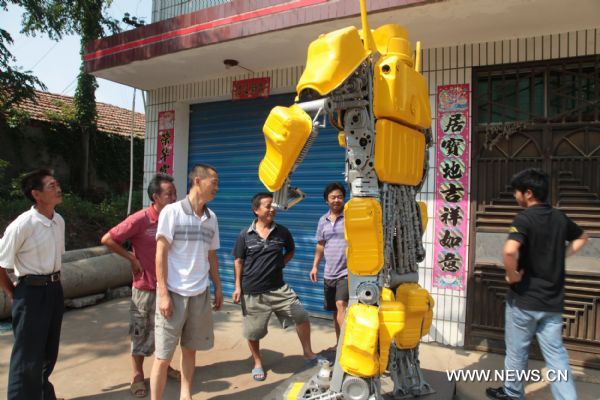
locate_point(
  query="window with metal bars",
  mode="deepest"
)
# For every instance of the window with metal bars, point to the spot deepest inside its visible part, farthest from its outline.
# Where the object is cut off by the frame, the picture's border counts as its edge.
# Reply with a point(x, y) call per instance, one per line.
point(555, 91)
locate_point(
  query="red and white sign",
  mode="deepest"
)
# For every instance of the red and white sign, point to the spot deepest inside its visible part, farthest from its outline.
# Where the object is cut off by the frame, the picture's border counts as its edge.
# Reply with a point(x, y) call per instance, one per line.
point(166, 142)
point(452, 187)
point(251, 88)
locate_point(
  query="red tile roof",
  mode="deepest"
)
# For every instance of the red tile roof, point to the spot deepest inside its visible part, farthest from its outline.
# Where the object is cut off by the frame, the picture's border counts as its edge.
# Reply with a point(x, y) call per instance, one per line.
point(111, 119)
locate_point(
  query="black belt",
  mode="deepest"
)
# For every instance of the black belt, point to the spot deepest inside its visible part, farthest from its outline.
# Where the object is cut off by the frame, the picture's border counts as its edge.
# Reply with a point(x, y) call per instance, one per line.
point(40, 280)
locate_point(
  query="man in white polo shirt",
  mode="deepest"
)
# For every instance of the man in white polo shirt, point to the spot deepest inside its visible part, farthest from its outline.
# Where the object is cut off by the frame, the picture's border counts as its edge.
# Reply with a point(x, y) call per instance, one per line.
point(32, 246)
point(186, 255)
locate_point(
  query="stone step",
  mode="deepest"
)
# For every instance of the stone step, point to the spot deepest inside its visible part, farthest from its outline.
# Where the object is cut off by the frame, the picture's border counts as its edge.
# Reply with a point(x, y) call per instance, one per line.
point(567, 203)
point(595, 217)
point(578, 195)
point(577, 188)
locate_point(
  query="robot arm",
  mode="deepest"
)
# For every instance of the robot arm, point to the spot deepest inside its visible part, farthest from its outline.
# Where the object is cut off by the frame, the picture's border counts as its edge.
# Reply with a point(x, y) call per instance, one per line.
point(332, 60)
point(289, 134)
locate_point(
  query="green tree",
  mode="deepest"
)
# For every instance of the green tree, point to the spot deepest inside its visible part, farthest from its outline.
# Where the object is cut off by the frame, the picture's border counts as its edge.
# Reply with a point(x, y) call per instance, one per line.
point(89, 20)
point(15, 85)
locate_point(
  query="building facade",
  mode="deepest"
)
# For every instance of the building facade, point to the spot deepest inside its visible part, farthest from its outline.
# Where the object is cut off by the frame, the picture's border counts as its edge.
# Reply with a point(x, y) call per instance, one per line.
point(512, 84)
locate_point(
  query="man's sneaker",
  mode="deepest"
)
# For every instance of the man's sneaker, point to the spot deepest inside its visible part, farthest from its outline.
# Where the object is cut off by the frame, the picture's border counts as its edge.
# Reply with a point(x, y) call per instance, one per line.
point(499, 394)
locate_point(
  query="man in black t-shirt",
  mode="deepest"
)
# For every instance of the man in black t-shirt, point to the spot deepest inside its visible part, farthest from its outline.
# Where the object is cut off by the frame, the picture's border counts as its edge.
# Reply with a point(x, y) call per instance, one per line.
point(534, 258)
point(261, 252)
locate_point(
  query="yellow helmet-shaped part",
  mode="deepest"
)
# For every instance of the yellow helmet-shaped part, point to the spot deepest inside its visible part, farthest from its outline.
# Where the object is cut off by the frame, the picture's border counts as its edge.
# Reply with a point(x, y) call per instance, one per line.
point(393, 39)
point(331, 59)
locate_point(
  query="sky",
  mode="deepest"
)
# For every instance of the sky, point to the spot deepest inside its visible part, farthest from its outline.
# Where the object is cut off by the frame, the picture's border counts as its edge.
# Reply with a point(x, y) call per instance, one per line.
point(57, 64)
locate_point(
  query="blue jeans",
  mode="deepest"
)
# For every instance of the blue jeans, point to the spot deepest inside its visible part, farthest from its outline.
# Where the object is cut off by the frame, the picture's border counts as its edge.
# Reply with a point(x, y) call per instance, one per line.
point(520, 327)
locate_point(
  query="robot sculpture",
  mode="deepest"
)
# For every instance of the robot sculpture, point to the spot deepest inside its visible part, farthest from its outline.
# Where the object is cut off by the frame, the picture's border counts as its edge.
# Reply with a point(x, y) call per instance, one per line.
point(369, 86)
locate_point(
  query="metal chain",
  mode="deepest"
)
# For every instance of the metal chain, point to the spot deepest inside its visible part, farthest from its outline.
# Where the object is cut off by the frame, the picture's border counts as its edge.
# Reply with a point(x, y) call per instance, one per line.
point(403, 243)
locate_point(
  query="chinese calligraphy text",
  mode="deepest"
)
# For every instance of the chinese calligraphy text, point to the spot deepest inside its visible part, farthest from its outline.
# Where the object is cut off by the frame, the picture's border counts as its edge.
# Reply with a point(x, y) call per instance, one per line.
point(452, 183)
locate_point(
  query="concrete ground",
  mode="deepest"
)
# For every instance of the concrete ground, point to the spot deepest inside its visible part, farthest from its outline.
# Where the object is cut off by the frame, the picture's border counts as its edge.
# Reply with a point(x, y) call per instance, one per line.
point(94, 361)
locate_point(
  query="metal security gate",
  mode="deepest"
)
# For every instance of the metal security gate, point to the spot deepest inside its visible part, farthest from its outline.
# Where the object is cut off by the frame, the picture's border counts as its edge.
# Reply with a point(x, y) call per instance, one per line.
point(228, 135)
point(544, 115)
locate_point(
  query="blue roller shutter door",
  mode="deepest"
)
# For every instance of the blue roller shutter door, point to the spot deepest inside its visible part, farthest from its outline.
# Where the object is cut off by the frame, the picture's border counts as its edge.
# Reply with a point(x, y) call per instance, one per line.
point(228, 135)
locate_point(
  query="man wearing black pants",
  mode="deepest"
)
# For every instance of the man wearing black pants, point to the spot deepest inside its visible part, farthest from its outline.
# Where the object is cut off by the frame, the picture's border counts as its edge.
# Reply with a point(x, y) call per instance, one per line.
point(32, 246)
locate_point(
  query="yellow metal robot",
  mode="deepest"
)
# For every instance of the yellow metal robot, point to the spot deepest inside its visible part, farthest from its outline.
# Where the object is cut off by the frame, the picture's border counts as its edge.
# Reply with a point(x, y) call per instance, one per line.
point(369, 86)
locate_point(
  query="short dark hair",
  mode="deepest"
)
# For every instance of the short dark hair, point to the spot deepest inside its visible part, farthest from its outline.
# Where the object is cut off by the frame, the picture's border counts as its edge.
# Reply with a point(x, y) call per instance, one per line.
point(533, 179)
point(154, 187)
point(200, 170)
point(258, 197)
point(331, 187)
point(34, 181)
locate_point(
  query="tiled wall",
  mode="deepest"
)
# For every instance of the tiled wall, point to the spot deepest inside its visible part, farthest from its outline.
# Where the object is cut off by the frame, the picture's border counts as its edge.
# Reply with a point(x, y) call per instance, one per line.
point(163, 9)
point(441, 66)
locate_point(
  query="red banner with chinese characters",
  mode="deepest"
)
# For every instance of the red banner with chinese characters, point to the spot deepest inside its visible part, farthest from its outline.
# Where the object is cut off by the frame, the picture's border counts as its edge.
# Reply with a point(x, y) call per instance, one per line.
point(166, 142)
point(251, 88)
point(452, 187)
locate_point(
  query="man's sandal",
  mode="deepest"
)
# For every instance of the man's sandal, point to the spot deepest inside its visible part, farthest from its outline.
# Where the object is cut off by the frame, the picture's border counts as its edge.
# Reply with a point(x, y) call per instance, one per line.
point(258, 374)
point(174, 374)
point(138, 389)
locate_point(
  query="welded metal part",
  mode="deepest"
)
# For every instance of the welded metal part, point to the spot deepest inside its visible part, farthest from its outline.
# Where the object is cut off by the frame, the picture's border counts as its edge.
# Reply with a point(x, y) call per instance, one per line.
point(312, 107)
point(352, 100)
point(355, 388)
point(323, 377)
point(405, 371)
point(396, 279)
point(317, 387)
point(355, 282)
point(287, 196)
point(311, 391)
point(368, 293)
point(359, 140)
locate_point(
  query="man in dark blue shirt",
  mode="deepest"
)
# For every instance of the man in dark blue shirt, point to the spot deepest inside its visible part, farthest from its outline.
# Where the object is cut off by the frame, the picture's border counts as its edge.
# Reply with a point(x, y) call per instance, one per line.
point(261, 252)
point(534, 258)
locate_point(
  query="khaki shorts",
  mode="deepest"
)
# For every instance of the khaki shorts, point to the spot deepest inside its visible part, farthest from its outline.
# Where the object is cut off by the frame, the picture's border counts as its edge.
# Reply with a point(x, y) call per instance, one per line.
point(257, 309)
point(190, 325)
point(141, 322)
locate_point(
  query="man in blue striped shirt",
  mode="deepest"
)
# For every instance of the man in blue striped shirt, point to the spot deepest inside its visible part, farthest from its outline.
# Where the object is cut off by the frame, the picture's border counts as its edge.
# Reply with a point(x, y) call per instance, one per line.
point(332, 245)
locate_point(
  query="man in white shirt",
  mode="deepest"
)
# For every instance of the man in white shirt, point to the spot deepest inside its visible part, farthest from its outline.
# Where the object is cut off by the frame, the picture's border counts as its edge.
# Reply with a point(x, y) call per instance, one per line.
point(32, 246)
point(186, 255)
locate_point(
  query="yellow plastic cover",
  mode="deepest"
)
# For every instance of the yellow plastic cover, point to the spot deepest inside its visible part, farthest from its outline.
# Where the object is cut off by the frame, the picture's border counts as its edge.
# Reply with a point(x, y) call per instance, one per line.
point(393, 39)
point(418, 309)
point(342, 139)
point(359, 347)
point(286, 131)
point(391, 322)
point(387, 294)
point(399, 153)
point(331, 59)
point(424, 217)
point(400, 92)
point(363, 231)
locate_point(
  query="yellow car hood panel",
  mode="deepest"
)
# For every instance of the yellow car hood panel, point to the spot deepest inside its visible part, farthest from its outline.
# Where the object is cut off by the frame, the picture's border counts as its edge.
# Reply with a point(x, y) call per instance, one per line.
point(331, 59)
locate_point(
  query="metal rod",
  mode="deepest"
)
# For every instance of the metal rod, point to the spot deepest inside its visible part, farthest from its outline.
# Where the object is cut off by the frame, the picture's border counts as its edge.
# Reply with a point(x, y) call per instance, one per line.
point(368, 41)
point(313, 106)
point(418, 57)
point(131, 154)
